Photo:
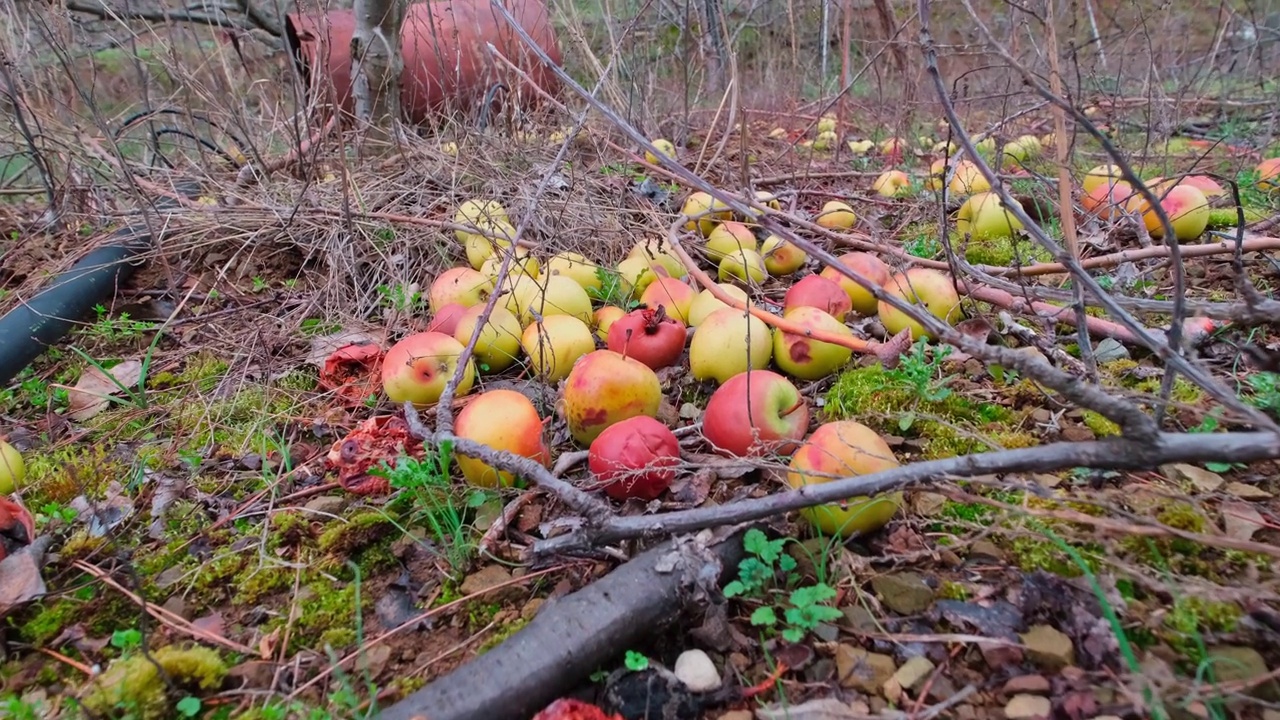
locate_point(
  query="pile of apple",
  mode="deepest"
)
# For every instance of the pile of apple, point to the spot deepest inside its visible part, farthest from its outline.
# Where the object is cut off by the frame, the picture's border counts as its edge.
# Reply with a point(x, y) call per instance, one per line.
point(605, 358)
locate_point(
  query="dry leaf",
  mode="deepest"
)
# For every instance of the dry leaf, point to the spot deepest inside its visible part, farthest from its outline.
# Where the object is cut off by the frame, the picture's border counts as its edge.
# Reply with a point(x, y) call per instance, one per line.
point(90, 395)
point(20, 579)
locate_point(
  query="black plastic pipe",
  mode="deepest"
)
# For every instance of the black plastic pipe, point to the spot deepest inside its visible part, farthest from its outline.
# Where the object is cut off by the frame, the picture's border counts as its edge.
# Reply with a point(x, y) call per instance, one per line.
point(31, 327)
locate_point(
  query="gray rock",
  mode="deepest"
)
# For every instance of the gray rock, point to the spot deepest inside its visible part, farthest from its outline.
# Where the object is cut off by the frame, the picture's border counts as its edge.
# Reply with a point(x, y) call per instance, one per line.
point(859, 618)
point(695, 669)
point(1049, 648)
point(1237, 663)
point(1199, 478)
point(327, 505)
point(861, 670)
point(905, 593)
point(484, 579)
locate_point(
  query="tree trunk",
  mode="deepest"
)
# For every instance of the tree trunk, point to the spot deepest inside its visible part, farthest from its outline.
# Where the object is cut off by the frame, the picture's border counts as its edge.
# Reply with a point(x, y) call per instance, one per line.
point(718, 54)
point(376, 65)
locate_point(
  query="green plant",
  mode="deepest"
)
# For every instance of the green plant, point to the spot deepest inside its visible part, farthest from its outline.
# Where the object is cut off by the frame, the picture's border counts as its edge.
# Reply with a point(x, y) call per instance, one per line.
point(611, 290)
point(117, 329)
point(636, 661)
point(758, 570)
point(922, 376)
point(758, 577)
point(808, 609)
point(1266, 391)
point(400, 298)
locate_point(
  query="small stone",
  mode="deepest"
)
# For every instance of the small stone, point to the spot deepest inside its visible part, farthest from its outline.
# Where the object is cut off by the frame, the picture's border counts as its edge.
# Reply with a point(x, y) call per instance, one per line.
point(1245, 491)
point(695, 669)
point(965, 712)
point(1077, 433)
point(877, 704)
point(531, 608)
point(168, 577)
point(1027, 684)
point(859, 708)
point(1268, 715)
point(1047, 480)
point(941, 690)
point(999, 656)
point(928, 504)
point(1198, 477)
point(485, 578)
point(737, 715)
point(1237, 663)
point(905, 593)
point(1049, 648)
point(689, 411)
point(1108, 349)
point(1028, 707)
point(177, 606)
point(1241, 519)
point(861, 670)
point(986, 549)
point(374, 660)
point(826, 632)
point(913, 673)
point(820, 671)
point(327, 505)
point(738, 661)
point(859, 618)
point(253, 674)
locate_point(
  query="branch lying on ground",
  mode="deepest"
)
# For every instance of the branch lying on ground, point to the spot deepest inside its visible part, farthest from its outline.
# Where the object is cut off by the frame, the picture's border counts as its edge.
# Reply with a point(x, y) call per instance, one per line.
point(1112, 454)
point(1166, 351)
point(101, 10)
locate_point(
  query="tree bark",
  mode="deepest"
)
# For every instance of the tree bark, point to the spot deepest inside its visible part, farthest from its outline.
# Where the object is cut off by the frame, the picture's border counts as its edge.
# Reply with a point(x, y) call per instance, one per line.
point(376, 65)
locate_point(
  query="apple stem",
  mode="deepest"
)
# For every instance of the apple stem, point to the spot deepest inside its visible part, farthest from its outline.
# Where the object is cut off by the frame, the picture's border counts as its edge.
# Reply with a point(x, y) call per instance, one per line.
point(799, 404)
point(626, 343)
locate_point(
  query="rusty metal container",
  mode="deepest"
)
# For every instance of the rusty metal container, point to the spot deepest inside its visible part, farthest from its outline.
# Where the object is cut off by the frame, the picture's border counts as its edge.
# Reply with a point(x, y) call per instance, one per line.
point(447, 65)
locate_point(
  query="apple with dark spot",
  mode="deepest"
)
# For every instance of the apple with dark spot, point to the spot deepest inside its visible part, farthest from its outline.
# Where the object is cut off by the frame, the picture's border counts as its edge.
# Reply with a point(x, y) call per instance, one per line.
point(605, 387)
point(802, 356)
point(755, 413)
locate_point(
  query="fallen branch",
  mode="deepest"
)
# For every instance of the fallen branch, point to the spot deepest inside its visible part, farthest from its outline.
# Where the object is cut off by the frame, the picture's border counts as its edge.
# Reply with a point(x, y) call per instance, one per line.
point(1111, 454)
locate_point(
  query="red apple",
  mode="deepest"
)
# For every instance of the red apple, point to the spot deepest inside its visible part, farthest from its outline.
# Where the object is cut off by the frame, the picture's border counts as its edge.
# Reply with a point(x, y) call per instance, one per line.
point(868, 266)
point(820, 292)
point(673, 294)
point(837, 450)
point(417, 368)
point(605, 387)
point(921, 286)
point(755, 413)
point(446, 319)
point(635, 458)
point(460, 285)
point(504, 420)
point(802, 356)
point(649, 336)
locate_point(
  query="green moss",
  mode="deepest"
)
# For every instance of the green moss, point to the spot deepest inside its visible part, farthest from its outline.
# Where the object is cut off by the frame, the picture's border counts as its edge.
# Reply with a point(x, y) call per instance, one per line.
point(953, 591)
point(1003, 252)
point(1099, 424)
point(63, 474)
point(499, 636)
point(133, 687)
point(359, 531)
point(1032, 554)
point(1191, 618)
point(1228, 218)
point(49, 620)
point(327, 616)
point(203, 370)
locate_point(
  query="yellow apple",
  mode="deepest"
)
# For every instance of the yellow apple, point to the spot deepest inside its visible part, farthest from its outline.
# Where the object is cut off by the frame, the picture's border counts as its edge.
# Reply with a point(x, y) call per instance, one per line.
point(665, 147)
point(709, 212)
point(781, 257)
point(463, 286)
point(12, 470)
point(418, 367)
point(892, 183)
point(506, 421)
point(868, 266)
point(728, 342)
point(801, 356)
point(836, 215)
point(744, 265)
point(730, 237)
point(838, 450)
point(478, 213)
point(498, 346)
point(576, 267)
point(554, 344)
point(706, 303)
point(985, 217)
point(920, 286)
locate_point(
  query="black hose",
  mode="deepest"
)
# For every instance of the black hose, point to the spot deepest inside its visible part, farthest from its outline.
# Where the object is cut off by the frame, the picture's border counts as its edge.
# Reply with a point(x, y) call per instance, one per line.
point(28, 329)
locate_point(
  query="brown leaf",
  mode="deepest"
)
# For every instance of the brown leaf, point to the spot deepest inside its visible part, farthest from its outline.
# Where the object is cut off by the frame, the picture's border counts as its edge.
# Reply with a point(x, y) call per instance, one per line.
point(20, 579)
point(91, 394)
point(212, 624)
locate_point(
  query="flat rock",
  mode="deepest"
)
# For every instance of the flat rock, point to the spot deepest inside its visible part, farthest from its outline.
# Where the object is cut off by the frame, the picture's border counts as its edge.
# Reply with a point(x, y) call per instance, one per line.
point(905, 593)
point(1241, 519)
point(910, 676)
point(374, 660)
point(486, 578)
point(327, 504)
point(985, 549)
point(737, 715)
point(1049, 648)
point(695, 669)
point(861, 670)
point(859, 618)
point(1199, 478)
point(1027, 684)
point(1028, 707)
point(1245, 491)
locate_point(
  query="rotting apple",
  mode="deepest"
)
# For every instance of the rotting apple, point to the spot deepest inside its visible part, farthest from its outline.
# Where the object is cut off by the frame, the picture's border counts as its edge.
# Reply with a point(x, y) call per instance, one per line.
point(920, 286)
point(868, 266)
point(555, 344)
point(576, 267)
point(498, 346)
point(836, 215)
point(506, 421)
point(755, 413)
point(710, 212)
point(984, 217)
point(634, 458)
point(604, 318)
point(664, 146)
point(706, 303)
point(827, 123)
point(418, 367)
point(650, 336)
point(837, 450)
point(675, 295)
point(605, 387)
point(13, 471)
point(1186, 206)
point(461, 285)
point(820, 292)
point(782, 257)
point(860, 147)
point(446, 319)
point(729, 341)
point(967, 179)
point(804, 357)
point(743, 265)
point(892, 183)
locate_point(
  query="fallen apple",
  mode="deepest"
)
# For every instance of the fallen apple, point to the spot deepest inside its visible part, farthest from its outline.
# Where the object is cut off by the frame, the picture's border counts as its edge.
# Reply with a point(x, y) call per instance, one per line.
point(837, 450)
point(1204, 184)
point(555, 344)
point(651, 249)
point(819, 292)
point(1268, 172)
point(522, 264)
point(892, 183)
point(460, 286)
point(506, 421)
point(605, 387)
point(665, 147)
point(836, 215)
point(984, 217)
point(756, 413)
point(13, 471)
point(418, 367)
point(781, 257)
point(446, 320)
point(801, 356)
point(868, 266)
point(1108, 201)
point(650, 336)
point(967, 179)
point(562, 296)
point(1100, 175)
point(825, 141)
point(576, 267)
point(635, 458)
point(893, 147)
point(522, 295)
point(728, 238)
point(920, 286)
point(728, 342)
point(604, 319)
point(675, 295)
point(743, 265)
point(480, 248)
point(860, 147)
point(478, 213)
point(705, 212)
point(498, 346)
point(706, 303)
point(1023, 149)
point(827, 123)
point(1186, 206)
